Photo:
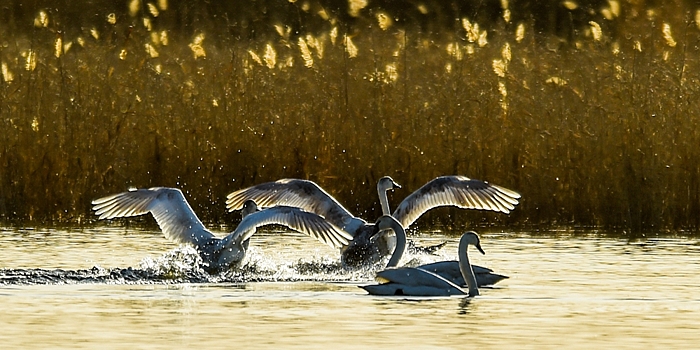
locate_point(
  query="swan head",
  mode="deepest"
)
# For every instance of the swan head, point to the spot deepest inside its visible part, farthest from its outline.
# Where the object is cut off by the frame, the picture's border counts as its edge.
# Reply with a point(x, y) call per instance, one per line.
point(387, 183)
point(249, 207)
point(471, 237)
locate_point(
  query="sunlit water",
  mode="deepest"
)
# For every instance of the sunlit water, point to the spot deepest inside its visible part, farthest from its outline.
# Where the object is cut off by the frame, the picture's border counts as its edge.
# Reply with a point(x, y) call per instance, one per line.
point(581, 291)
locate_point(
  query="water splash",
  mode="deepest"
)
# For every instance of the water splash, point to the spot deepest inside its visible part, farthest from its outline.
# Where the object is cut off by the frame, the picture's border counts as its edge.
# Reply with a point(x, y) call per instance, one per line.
point(184, 265)
point(179, 262)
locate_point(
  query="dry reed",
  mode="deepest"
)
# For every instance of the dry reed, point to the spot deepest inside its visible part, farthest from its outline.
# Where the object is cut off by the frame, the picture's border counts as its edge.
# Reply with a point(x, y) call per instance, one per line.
point(596, 127)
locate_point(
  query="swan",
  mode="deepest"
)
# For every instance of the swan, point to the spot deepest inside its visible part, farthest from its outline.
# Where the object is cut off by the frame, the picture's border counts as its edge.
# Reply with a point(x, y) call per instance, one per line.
point(448, 270)
point(180, 224)
point(418, 282)
point(367, 246)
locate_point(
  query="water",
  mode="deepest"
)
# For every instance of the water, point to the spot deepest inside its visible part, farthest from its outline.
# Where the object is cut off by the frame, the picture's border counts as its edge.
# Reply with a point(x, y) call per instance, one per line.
point(564, 291)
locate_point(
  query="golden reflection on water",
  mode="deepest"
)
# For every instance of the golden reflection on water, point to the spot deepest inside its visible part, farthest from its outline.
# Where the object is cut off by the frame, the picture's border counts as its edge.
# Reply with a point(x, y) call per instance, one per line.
point(563, 292)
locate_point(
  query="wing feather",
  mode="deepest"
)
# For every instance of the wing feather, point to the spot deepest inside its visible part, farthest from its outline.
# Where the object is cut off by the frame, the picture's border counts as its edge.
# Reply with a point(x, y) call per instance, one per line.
point(296, 219)
point(168, 206)
point(303, 194)
point(459, 191)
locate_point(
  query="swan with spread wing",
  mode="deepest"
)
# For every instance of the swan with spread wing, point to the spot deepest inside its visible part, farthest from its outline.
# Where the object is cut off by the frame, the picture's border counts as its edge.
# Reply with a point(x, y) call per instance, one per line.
point(368, 244)
point(180, 224)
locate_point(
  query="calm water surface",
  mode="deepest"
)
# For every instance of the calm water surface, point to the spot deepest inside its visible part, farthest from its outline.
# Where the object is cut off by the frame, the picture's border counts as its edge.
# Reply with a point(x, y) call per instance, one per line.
point(565, 291)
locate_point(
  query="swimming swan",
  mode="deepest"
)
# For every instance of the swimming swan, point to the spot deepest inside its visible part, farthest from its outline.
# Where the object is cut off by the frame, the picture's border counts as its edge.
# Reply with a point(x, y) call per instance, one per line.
point(449, 270)
point(366, 245)
point(180, 224)
point(419, 282)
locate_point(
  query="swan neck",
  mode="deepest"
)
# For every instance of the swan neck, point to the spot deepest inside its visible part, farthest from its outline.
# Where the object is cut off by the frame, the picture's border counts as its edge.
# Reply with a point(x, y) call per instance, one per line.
point(383, 199)
point(400, 244)
point(466, 268)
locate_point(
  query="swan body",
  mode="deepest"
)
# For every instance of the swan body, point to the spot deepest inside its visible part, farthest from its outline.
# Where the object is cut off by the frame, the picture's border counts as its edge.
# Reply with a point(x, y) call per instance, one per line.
point(422, 283)
point(368, 245)
point(180, 224)
point(418, 282)
point(449, 270)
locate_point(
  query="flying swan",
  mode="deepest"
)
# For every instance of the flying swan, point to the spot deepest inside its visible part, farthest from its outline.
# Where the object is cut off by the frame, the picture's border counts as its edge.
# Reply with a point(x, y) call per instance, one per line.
point(180, 224)
point(367, 246)
point(418, 282)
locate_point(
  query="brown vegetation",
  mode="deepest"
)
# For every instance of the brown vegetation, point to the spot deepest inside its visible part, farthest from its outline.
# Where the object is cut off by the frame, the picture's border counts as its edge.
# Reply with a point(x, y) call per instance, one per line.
point(594, 127)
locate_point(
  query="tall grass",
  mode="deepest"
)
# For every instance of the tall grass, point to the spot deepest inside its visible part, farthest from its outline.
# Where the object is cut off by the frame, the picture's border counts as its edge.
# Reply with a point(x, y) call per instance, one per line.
point(596, 128)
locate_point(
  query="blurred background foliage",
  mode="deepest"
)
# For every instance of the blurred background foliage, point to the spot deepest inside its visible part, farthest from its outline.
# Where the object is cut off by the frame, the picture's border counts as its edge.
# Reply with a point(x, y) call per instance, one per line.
point(589, 109)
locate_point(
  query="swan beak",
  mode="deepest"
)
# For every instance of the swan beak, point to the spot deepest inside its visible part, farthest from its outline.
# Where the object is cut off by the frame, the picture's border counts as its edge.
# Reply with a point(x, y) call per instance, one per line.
point(478, 246)
point(393, 183)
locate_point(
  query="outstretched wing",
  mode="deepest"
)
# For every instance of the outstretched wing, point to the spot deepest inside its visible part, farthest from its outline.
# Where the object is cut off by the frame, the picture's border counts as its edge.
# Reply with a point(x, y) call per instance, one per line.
point(305, 222)
point(168, 206)
point(459, 191)
point(303, 194)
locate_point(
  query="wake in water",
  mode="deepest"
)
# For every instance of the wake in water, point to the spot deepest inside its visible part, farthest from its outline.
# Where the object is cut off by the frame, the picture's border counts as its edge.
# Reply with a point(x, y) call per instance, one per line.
point(177, 266)
point(183, 265)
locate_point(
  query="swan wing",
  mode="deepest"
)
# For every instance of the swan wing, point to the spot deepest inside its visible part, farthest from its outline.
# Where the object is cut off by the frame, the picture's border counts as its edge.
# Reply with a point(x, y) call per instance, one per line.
point(459, 191)
point(451, 267)
point(449, 270)
point(303, 194)
point(294, 218)
point(168, 206)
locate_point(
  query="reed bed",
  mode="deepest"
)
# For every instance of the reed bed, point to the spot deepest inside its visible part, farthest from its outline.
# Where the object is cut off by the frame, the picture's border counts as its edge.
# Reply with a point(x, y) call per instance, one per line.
point(595, 125)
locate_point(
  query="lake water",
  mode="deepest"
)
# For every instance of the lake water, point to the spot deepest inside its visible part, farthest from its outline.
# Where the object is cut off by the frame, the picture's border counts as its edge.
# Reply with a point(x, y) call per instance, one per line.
point(565, 290)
